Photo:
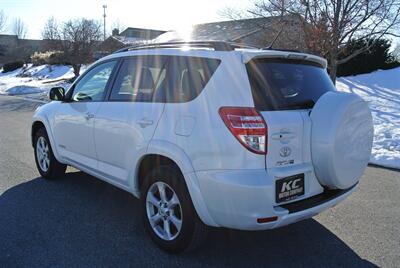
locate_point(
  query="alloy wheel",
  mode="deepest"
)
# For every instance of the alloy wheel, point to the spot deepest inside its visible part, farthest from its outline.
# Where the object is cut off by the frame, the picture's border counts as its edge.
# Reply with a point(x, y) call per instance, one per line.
point(164, 211)
point(42, 153)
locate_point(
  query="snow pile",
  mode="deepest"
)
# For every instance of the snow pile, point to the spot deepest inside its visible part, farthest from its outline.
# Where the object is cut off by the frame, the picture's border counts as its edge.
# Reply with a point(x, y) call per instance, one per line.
point(49, 72)
point(381, 89)
point(35, 79)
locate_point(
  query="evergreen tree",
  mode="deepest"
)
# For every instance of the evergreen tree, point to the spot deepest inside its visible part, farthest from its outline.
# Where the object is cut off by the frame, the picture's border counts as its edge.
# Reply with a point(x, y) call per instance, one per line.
point(376, 57)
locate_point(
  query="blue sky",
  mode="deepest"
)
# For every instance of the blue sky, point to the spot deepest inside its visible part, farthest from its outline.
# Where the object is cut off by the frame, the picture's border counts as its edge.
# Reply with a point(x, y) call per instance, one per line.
point(157, 14)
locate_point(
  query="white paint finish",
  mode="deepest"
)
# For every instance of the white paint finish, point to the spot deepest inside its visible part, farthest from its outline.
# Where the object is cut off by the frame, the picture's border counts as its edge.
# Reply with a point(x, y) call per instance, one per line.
point(42, 115)
point(291, 129)
point(73, 131)
point(184, 125)
point(285, 130)
point(237, 198)
point(229, 86)
point(121, 132)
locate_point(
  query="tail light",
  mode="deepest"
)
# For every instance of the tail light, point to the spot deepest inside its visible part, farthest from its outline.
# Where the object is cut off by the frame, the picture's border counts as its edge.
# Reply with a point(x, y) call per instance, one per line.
point(248, 126)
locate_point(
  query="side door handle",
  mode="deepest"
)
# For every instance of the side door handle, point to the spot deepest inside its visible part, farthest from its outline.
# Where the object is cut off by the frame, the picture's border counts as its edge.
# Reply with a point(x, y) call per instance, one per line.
point(89, 116)
point(144, 122)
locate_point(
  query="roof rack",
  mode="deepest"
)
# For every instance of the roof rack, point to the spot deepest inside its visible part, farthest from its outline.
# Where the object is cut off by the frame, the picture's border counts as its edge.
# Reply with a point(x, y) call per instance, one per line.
point(216, 45)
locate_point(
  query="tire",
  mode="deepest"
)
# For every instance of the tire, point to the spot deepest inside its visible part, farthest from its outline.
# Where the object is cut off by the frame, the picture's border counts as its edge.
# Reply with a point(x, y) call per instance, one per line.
point(46, 163)
point(341, 139)
point(192, 232)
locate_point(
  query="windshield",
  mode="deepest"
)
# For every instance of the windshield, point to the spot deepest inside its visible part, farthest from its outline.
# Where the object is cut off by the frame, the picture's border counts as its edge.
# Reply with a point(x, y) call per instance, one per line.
point(287, 84)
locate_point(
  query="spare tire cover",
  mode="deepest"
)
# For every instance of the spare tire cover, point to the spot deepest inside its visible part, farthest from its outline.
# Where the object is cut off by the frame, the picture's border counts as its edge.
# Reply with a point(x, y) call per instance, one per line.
point(341, 139)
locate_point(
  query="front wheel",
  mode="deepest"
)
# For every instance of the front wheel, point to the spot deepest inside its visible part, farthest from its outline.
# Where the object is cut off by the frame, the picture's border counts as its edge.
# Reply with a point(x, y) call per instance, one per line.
point(46, 163)
point(168, 213)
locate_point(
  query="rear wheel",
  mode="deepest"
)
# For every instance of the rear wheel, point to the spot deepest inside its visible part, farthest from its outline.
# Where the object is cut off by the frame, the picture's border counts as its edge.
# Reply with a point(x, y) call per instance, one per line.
point(46, 163)
point(168, 213)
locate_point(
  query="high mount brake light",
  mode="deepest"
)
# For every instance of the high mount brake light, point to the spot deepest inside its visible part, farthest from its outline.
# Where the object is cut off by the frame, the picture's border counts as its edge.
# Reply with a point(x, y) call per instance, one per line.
point(248, 127)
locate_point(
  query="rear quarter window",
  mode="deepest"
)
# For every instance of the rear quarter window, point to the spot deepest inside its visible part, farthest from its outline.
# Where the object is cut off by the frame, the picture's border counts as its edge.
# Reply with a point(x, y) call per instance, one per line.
point(286, 84)
point(186, 77)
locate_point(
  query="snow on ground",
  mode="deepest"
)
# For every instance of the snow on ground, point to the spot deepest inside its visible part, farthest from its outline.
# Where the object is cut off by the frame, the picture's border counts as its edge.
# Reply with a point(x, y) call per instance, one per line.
point(35, 81)
point(381, 89)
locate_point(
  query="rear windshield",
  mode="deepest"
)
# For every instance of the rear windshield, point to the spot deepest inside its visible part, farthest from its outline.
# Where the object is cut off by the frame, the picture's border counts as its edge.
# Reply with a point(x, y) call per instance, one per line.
point(286, 84)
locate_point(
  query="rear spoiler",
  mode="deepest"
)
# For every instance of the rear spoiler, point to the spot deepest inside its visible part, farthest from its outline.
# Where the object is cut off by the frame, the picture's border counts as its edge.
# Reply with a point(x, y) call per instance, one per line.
point(248, 56)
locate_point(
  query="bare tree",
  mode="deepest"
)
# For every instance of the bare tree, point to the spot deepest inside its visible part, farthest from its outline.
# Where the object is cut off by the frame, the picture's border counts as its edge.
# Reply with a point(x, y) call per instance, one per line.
point(234, 14)
point(76, 39)
point(51, 30)
point(51, 35)
point(19, 28)
point(79, 40)
point(3, 21)
point(330, 24)
point(117, 26)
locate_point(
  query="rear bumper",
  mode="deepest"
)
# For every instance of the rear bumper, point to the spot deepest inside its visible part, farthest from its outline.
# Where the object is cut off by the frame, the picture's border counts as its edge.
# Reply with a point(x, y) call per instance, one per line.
point(237, 198)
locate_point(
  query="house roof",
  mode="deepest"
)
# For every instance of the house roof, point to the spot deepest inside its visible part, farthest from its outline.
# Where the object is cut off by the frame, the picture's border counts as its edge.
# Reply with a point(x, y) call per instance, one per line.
point(234, 30)
point(258, 32)
point(231, 30)
point(141, 33)
point(127, 40)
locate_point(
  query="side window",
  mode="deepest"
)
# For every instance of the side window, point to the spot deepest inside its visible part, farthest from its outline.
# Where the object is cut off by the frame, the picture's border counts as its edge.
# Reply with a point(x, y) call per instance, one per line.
point(139, 78)
point(189, 76)
point(92, 86)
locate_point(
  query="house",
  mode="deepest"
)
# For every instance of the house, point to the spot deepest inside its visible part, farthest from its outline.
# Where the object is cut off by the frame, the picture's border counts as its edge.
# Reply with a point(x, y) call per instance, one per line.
point(258, 32)
point(7, 41)
point(130, 36)
point(12, 48)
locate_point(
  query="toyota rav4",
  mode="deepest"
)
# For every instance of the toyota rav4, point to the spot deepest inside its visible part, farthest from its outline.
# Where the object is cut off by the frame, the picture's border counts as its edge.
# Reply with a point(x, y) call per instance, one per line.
point(209, 134)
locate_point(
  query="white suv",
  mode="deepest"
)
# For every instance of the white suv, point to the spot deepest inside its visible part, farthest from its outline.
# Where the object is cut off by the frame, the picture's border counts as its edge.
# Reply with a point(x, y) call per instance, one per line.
point(209, 134)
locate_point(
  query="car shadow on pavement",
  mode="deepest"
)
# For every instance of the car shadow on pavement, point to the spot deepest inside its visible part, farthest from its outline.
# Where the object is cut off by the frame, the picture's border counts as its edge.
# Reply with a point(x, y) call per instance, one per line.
point(81, 221)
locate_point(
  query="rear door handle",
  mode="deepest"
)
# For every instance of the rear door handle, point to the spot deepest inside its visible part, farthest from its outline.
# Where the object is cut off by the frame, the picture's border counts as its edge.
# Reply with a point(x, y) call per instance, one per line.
point(144, 122)
point(89, 116)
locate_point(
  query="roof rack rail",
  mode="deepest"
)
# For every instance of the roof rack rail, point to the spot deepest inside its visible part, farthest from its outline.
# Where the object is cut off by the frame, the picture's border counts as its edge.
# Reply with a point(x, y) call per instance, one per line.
point(216, 45)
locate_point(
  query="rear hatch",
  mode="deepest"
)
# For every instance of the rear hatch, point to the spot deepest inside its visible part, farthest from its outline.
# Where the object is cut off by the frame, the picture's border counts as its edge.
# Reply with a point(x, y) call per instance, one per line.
point(284, 92)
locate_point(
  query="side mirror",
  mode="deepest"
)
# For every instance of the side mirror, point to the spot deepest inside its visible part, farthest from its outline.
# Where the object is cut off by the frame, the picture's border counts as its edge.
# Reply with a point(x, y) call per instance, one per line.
point(57, 93)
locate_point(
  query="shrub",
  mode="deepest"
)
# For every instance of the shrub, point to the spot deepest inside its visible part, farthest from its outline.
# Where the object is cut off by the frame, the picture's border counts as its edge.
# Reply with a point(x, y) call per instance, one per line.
point(39, 58)
point(57, 57)
point(48, 57)
point(12, 66)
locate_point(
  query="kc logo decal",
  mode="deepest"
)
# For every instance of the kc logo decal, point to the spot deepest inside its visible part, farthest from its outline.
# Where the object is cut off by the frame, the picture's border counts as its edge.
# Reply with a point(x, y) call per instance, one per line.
point(290, 185)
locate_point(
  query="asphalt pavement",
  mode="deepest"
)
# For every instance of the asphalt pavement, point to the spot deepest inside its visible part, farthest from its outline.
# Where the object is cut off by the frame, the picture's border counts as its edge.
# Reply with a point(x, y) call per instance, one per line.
point(79, 221)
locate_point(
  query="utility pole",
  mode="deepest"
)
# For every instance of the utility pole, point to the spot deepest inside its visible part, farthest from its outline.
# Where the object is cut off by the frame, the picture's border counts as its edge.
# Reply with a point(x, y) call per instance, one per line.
point(104, 24)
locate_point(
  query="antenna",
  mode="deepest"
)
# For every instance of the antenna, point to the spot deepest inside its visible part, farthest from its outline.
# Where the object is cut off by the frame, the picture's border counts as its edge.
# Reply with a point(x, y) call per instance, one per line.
point(276, 37)
point(104, 16)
